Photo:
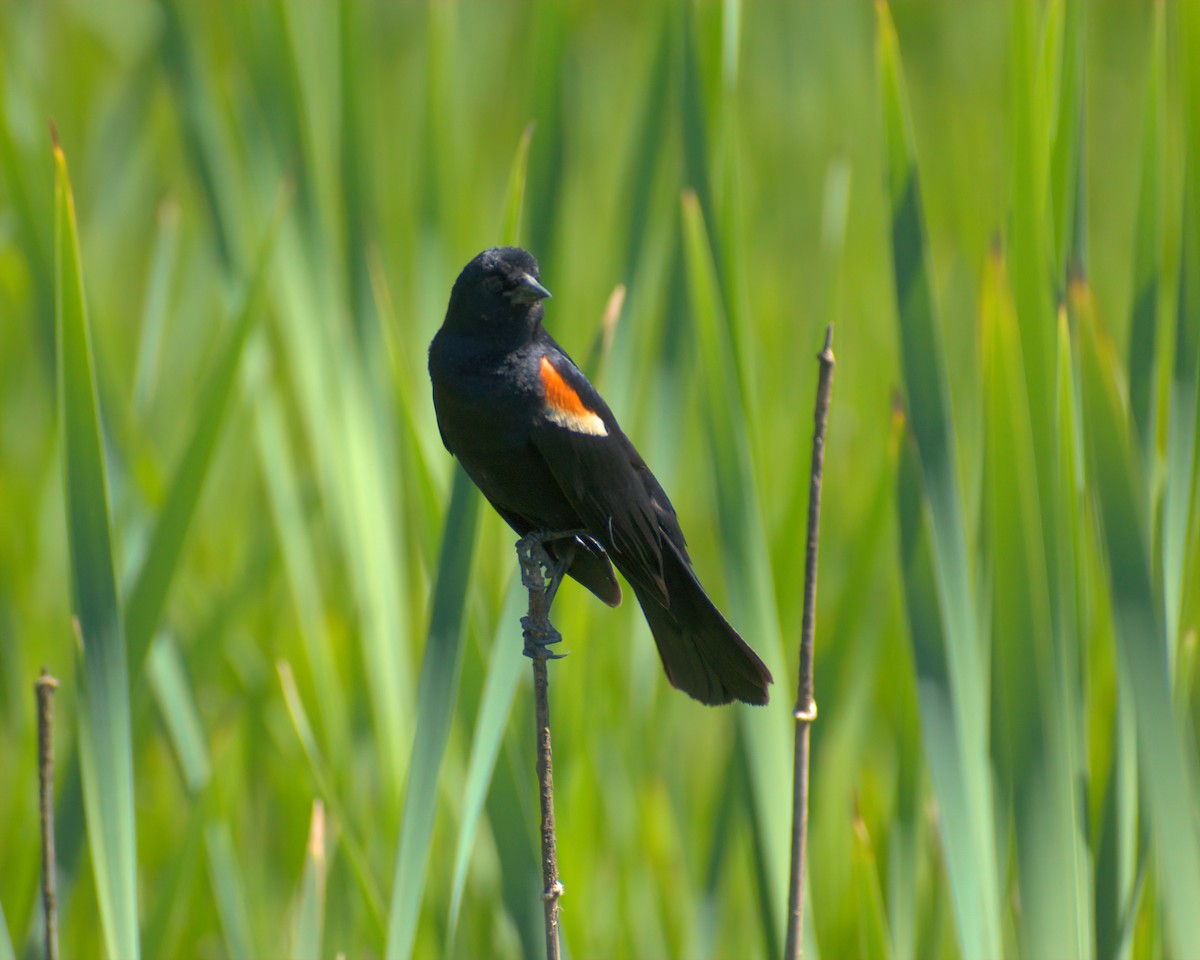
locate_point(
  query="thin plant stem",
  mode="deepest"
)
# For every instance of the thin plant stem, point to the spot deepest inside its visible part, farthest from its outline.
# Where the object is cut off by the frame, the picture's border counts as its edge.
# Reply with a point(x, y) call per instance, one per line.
point(806, 707)
point(44, 687)
point(552, 887)
point(541, 576)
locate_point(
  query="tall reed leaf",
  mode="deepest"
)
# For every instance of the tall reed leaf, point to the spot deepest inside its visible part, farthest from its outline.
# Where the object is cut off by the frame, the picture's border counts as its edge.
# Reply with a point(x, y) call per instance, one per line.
point(1029, 230)
point(1147, 254)
point(308, 918)
point(504, 669)
point(1183, 395)
point(299, 558)
point(743, 537)
point(1037, 758)
point(153, 581)
point(6, 947)
point(1183, 436)
point(971, 855)
point(436, 697)
point(201, 129)
point(1166, 768)
point(1059, 89)
point(874, 939)
point(323, 779)
point(229, 891)
point(105, 748)
point(168, 679)
point(154, 306)
point(1069, 758)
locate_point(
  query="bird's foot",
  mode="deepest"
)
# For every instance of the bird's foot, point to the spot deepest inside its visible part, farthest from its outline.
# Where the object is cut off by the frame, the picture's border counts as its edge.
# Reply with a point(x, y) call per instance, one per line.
point(538, 638)
point(538, 569)
point(550, 536)
point(541, 575)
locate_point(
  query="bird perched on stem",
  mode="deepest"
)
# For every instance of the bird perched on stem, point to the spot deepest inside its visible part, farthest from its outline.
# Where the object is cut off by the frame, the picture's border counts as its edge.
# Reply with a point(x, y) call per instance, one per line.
point(544, 448)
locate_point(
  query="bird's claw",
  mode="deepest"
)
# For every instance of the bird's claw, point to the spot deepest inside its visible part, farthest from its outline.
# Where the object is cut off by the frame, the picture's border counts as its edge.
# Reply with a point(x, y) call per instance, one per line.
point(538, 640)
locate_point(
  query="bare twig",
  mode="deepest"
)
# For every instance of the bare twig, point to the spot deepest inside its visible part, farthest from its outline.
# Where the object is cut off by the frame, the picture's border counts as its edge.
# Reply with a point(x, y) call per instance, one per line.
point(552, 887)
point(806, 706)
point(541, 576)
point(44, 687)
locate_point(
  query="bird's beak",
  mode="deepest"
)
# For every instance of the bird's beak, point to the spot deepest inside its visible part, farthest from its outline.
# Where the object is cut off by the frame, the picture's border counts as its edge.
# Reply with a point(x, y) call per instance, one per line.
point(528, 291)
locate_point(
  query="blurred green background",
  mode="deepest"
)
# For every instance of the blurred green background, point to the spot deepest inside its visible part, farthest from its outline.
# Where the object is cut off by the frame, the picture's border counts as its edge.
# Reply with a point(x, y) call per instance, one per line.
point(273, 201)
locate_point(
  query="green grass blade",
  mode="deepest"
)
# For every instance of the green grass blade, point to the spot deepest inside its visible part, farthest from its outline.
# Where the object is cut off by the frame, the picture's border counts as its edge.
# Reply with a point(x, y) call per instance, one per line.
point(1021, 604)
point(347, 430)
point(323, 780)
point(280, 471)
point(1147, 253)
point(515, 194)
point(512, 810)
point(731, 31)
point(694, 121)
point(1035, 709)
point(1060, 85)
point(229, 892)
point(168, 679)
point(6, 947)
point(154, 308)
point(201, 129)
point(1118, 871)
point(648, 150)
point(547, 161)
point(166, 921)
point(874, 938)
point(1030, 234)
point(939, 729)
point(105, 745)
point(421, 446)
point(972, 855)
point(308, 918)
point(25, 186)
point(1181, 560)
point(505, 666)
point(354, 74)
point(149, 593)
point(1166, 766)
point(438, 690)
point(908, 833)
point(1070, 737)
point(1181, 515)
point(763, 732)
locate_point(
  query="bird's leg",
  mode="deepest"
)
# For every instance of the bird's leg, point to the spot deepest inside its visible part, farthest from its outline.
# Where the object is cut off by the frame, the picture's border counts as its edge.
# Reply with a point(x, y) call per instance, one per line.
point(541, 576)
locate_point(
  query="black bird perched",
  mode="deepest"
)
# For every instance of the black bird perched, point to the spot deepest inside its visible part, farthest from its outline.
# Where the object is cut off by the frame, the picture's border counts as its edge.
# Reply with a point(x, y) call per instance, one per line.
point(538, 440)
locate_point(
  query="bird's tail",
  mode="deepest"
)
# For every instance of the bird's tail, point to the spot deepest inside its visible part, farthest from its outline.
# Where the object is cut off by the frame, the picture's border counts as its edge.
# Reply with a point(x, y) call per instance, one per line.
point(701, 653)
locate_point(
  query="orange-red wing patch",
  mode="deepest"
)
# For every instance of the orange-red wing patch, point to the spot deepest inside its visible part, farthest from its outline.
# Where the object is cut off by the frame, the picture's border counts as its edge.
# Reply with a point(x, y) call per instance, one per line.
point(564, 406)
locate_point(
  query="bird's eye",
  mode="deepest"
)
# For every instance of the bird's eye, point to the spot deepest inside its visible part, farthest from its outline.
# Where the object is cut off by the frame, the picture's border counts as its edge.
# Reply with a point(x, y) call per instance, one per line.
point(493, 283)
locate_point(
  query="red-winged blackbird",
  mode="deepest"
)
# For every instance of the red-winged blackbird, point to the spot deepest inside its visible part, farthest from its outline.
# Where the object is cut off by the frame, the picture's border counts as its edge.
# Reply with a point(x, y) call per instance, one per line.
point(546, 451)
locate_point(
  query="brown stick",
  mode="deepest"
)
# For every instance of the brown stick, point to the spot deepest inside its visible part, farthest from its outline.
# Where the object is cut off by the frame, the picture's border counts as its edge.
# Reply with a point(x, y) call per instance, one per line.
point(552, 888)
point(806, 707)
point(538, 634)
point(44, 687)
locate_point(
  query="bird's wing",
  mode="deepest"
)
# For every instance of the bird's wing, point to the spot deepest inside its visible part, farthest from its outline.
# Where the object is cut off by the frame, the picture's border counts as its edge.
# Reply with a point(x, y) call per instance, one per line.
point(602, 476)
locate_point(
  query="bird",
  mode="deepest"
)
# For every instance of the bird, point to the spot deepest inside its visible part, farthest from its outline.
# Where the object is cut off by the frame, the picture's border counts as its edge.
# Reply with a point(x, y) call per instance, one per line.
point(546, 451)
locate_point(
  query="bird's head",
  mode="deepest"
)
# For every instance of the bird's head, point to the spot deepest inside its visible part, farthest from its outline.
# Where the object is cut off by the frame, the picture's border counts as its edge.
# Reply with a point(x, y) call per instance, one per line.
point(498, 293)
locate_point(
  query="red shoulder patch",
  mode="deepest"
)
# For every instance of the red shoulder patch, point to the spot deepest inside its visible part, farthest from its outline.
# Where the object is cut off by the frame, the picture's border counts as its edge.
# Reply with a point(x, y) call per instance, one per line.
point(565, 407)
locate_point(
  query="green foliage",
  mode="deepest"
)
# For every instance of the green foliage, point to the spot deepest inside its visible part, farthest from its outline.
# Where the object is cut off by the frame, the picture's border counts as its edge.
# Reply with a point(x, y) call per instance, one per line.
point(105, 750)
point(220, 451)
